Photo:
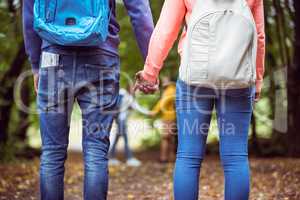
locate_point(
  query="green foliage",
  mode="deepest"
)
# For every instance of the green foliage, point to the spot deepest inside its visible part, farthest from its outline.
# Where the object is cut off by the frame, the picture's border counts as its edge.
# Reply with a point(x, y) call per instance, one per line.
point(10, 36)
point(151, 141)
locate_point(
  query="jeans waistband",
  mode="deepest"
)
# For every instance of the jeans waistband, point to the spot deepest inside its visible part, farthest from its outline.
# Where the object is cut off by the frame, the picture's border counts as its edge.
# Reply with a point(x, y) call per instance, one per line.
point(183, 87)
point(80, 51)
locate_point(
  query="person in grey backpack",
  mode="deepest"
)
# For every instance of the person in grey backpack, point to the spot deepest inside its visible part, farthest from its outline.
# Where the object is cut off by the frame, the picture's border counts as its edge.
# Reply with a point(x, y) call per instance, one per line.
point(73, 49)
point(222, 50)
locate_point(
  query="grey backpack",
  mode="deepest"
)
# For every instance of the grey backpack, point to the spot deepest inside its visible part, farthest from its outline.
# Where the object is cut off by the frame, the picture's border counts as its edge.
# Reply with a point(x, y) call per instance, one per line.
point(221, 47)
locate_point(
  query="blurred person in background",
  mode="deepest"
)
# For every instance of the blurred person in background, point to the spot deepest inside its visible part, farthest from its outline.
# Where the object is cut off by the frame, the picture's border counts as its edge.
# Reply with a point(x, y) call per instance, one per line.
point(126, 102)
point(165, 107)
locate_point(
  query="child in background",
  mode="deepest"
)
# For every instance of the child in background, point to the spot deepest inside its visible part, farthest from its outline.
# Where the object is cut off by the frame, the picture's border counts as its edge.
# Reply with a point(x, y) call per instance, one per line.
point(166, 107)
point(126, 102)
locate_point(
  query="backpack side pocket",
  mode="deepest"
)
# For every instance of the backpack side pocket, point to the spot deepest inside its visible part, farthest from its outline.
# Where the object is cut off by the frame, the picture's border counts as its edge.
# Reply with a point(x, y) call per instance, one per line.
point(199, 50)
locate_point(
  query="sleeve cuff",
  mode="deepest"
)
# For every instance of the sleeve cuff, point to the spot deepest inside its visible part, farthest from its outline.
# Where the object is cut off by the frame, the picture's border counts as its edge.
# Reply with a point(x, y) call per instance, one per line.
point(149, 77)
point(150, 72)
point(35, 68)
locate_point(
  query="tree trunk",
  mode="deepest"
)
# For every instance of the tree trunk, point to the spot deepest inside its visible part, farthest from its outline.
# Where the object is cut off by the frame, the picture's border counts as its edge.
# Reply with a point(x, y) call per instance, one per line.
point(294, 93)
point(7, 92)
point(23, 116)
point(255, 146)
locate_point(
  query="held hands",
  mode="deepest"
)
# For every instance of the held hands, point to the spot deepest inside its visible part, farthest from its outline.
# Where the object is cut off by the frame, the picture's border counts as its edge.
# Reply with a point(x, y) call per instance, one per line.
point(143, 85)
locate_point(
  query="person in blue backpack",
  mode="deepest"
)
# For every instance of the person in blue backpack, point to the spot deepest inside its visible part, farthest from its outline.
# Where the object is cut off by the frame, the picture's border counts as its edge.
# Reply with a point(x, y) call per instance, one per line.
point(73, 49)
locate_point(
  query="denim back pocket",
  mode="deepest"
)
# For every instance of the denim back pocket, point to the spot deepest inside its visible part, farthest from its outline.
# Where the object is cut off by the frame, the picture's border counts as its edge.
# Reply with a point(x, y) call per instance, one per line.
point(200, 46)
point(102, 75)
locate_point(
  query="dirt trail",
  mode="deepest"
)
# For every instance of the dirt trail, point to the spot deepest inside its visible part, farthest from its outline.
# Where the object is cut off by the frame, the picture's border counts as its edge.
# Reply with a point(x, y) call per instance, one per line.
point(275, 178)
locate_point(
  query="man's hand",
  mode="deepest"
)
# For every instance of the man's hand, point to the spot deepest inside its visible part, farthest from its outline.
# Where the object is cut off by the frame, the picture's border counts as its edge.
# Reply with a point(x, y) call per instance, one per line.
point(36, 82)
point(143, 85)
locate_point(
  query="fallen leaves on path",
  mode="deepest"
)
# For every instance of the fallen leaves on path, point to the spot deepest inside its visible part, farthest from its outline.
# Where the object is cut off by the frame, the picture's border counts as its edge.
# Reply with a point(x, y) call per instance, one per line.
point(272, 178)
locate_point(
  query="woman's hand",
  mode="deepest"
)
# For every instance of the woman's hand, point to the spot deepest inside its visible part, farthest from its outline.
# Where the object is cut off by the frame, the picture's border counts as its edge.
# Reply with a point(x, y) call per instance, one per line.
point(143, 85)
point(257, 97)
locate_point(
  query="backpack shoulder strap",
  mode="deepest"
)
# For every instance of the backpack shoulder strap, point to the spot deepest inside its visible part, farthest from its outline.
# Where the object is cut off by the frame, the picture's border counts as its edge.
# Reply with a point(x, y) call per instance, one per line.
point(50, 11)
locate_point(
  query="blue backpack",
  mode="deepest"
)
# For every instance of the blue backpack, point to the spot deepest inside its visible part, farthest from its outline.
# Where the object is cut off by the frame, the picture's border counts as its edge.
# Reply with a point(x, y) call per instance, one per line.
point(72, 22)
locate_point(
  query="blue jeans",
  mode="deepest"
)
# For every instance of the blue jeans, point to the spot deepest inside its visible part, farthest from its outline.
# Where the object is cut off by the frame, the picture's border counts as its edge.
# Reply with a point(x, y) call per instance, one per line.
point(194, 106)
point(93, 81)
point(122, 132)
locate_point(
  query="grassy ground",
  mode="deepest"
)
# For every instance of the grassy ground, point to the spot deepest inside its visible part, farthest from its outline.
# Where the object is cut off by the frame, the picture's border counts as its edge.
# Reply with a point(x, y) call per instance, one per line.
point(273, 178)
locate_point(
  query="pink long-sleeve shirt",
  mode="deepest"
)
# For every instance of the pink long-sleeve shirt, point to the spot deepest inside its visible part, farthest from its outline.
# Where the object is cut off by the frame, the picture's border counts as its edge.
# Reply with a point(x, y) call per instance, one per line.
point(173, 14)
